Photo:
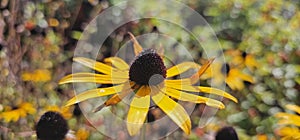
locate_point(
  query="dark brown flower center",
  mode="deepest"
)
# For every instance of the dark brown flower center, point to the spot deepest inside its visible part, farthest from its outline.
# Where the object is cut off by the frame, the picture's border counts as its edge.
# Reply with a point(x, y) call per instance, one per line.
point(148, 68)
point(51, 126)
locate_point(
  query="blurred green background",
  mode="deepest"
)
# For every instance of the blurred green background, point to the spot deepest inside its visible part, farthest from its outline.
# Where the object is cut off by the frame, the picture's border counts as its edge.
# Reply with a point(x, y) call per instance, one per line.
point(259, 38)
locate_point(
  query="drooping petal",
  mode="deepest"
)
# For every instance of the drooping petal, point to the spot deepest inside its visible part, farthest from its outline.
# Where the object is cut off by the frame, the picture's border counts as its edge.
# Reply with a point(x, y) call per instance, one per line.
point(217, 92)
point(128, 88)
point(136, 46)
point(137, 113)
point(183, 96)
point(117, 62)
point(180, 68)
point(202, 89)
point(93, 93)
point(293, 107)
point(196, 76)
point(143, 91)
point(175, 111)
point(93, 78)
point(205, 67)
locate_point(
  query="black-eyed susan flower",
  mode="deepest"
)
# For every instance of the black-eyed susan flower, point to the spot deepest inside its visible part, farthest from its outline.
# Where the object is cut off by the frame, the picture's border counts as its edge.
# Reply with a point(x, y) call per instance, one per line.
point(52, 126)
point(149, 78)
point(20, 111)
point(242, 59)
point(291, 132)
point(233, 77)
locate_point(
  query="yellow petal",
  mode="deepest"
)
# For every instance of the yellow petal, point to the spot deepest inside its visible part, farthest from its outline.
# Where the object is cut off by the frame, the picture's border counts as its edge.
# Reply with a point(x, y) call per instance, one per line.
point(217, 92)
point(175, 111)
point(175, 82)
point(202, 89)
point(285, 131)
point(205, 66)
point(143, 91)
point(289, 121)
point(231, 84)
point(137, 47)
point(196, 76)
point(114, 99)
point(281, 115)
point(93, 78)
point(180, 68)
point(247, 78)
point(293, 107)
point(250, 62)
point(95, 93)
point(100, 67)
point(118, 97)
point(13, 115)
point(239, 84)
point(213, 71)
point(117, 62)
point(137, 113)
point(288, 118)
point(28, 107)
point(237, 74)
point(183, 96)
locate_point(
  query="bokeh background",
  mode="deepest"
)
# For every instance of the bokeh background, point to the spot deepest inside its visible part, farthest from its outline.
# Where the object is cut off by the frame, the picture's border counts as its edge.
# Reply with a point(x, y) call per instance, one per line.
point(260, 40)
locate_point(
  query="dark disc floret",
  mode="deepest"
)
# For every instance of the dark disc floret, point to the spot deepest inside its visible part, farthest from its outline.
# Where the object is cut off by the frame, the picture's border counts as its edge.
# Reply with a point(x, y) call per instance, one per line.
point(51, 126)
point(147, 65)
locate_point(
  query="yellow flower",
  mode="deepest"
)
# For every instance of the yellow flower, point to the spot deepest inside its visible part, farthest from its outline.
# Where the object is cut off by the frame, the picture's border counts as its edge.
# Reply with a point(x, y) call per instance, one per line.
point(234, 77)
point(242, 59)
point(39, 75)
point(20, 111)
point(214, 72)
point(64, 111)
point(148, 77)
point(82, 134)
point(289, 132)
